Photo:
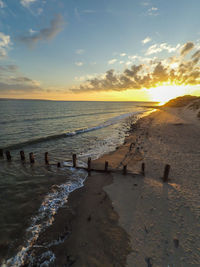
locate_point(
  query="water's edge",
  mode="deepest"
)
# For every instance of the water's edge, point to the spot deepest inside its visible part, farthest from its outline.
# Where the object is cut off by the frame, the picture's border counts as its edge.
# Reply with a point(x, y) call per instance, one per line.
point(52, 202)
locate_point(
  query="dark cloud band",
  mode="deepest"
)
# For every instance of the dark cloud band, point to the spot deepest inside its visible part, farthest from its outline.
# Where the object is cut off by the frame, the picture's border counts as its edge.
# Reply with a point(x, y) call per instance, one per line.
point(186, 72)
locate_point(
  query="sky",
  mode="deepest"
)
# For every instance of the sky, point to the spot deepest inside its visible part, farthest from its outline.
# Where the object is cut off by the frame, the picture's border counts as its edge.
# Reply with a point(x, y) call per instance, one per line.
point(108, 50)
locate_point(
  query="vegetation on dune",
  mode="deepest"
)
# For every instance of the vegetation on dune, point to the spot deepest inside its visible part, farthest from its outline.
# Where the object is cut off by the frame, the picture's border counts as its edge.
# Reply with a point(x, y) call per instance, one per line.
point(183, 101)
point(195, 104)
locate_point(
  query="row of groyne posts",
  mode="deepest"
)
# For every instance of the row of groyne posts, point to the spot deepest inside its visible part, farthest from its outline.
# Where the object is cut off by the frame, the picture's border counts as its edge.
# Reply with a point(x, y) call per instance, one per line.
point(89, 168)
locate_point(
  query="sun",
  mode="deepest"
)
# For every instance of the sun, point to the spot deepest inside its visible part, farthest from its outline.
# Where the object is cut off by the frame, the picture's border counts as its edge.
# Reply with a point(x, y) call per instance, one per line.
point(164, 93)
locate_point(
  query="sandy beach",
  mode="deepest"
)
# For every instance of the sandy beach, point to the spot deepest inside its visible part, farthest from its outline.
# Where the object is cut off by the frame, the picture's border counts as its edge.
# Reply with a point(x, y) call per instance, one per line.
point(99, 133)
point(162, 219)
point(134, 220)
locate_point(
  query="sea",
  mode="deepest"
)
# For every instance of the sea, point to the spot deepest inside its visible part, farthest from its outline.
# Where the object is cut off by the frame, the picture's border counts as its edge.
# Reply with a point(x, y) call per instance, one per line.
point(31, 194)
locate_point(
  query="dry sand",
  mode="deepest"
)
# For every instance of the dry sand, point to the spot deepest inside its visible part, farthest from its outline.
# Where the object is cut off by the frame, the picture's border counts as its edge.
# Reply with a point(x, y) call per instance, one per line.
point(162, 219)
point(141, 221)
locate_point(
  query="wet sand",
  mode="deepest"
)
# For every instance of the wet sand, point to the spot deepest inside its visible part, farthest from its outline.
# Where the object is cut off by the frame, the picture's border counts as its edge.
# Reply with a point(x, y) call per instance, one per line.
point(134, 220)
point(86, 229)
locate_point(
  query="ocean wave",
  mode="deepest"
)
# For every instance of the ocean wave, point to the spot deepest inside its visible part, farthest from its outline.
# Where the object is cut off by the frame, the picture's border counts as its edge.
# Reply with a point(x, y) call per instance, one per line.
point(54, 118)
point(107, 123)
point(56, 199)
point(45, 217)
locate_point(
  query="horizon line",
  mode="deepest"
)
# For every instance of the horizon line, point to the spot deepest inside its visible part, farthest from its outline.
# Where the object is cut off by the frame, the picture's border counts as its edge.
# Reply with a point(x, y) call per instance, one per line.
point(35, 99)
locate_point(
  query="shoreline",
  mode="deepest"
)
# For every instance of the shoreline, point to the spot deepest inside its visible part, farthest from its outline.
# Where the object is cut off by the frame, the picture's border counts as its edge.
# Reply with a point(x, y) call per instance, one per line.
point(69, 211)
point(64, 228)
point(87, 229)
point(100, 215)
point(11, 257)
point(162, 219)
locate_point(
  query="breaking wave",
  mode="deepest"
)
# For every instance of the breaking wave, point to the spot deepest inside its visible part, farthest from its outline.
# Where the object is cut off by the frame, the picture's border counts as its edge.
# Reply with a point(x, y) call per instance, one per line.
point(107, 123)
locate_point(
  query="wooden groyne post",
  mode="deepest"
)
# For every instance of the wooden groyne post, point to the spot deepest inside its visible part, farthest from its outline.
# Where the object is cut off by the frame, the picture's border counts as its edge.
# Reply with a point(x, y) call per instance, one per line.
point(89, 168)
point(106, 166)
point(22, 155)
point(166, 173)
point(8, 155)
point(31, 157)
point(74, 160)
point(124, 169)
point(1, 153)
point(131, 146)
point(89, 164)
point(143, 169)
point(46, 158)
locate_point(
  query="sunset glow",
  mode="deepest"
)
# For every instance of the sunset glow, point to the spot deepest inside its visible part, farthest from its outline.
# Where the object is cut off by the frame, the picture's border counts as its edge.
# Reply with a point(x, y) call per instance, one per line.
point(164, 93)
point(98, 94)
point(89, 50)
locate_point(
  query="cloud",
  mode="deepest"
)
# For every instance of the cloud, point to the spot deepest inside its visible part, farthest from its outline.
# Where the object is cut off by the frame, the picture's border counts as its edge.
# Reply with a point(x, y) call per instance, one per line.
point(187, 48)
point(4, 44)
point(2, 5)
point(128, 63)
point(145, 3)
point(196, 57)
point(85, 77)
point(13, 80)
point(122, 54)
point(22, 84)
point(22, 87)
point(31, 31)
point(141, 58)
point(27, 3)
point(154, 73)
point(79, 64)
point(146, 40)
point(112, 61)
point(153, 11)
point(45, 34)
point(80, 51)
point(157, 48)
point(8, 68)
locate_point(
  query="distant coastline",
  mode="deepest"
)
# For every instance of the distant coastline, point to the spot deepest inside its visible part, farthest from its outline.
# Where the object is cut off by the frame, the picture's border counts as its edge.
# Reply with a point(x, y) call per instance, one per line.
point(27, 99)
point(24, 99)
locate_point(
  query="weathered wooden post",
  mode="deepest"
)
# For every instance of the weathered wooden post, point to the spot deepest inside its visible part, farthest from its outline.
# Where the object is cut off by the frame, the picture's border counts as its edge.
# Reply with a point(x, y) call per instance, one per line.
point(22, 155)
point(1, 153)
point(89, 164)
point(143, 169)
point(74, 160)
point(31, 157)
point(46, 158)
point(124, 169)
point(166, 173)
point(58, 165)
point(131, 146)
point(8, 156)
point(106, 166)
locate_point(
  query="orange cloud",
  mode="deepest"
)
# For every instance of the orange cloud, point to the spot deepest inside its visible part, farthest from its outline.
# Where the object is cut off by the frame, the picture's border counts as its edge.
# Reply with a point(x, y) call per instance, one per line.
point(158, 72)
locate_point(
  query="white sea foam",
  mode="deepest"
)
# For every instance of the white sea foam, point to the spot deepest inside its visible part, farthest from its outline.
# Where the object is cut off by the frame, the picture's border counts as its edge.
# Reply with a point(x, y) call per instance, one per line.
point(59, 194)
point(45, 217)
